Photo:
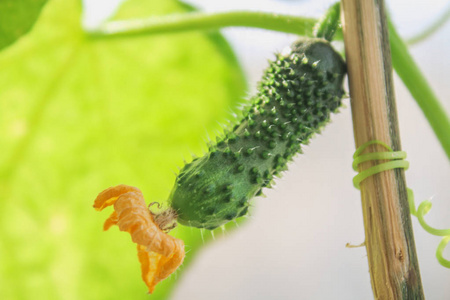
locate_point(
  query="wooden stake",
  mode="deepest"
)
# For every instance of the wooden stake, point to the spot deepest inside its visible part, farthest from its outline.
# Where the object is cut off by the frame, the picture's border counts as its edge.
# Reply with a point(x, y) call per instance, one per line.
point(393, 265)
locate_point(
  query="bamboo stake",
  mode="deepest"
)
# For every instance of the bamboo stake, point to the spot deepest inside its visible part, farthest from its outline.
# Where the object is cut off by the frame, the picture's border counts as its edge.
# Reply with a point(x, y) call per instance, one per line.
point(393, 265)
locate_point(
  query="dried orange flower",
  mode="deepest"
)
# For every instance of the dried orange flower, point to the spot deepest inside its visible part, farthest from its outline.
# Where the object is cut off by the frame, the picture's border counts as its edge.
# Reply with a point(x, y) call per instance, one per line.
point(159, 253)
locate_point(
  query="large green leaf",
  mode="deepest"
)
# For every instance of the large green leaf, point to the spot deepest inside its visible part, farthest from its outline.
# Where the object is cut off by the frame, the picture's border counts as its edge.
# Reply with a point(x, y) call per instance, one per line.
point(16, 18)
point(80, 115)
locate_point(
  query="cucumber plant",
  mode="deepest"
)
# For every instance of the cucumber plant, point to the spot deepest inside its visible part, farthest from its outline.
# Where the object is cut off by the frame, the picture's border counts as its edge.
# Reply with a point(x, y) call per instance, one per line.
point(77, 73)
point(295, 97)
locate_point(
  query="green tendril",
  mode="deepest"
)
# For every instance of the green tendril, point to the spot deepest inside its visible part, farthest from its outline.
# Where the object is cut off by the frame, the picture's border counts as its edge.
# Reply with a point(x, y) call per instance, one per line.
point(440, 250)
point(396, 160)
point(431, 29)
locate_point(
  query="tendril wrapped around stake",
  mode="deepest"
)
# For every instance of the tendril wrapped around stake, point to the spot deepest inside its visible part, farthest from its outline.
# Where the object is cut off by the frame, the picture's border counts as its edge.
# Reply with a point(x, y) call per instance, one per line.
point(159, 253)
point(396, 159)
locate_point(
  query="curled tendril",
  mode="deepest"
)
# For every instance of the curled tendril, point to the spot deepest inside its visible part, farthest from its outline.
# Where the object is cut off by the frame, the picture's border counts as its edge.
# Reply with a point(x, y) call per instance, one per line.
point(396, 160)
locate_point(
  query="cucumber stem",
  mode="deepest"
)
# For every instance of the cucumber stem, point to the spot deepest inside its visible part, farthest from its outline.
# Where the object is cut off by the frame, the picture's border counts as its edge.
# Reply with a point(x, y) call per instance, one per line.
point(412, 77)
point(403, 62)
point(198, 21)
point(327, 26)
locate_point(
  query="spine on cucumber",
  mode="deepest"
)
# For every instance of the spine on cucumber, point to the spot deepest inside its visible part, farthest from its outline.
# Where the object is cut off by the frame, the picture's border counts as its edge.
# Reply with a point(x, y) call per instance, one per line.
point(295, 97)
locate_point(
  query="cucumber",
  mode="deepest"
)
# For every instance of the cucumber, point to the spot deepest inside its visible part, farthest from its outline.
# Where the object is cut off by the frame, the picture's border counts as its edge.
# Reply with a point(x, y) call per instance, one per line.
point(298, 92)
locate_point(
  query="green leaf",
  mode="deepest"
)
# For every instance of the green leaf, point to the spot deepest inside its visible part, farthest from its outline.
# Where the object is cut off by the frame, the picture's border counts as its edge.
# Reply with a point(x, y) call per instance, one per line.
point(80, 115)
point(16, 18)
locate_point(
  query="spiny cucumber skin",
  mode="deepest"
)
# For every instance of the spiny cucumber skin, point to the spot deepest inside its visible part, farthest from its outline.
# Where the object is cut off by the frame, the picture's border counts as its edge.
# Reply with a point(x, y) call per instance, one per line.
point(294, 100)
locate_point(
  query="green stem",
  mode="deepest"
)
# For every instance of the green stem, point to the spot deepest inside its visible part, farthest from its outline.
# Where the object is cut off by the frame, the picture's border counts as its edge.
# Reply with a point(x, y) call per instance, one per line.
point(327, 26)
point(427, 32)
point(419, 88)
point(197, 21)
point(402, 61)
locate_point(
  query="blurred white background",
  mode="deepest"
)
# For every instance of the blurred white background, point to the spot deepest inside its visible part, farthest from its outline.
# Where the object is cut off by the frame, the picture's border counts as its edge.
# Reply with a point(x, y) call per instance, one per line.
point(293, 246)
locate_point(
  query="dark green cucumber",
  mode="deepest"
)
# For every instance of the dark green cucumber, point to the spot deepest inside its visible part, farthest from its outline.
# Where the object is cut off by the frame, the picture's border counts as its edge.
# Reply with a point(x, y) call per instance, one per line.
point(294, 100)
